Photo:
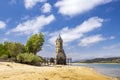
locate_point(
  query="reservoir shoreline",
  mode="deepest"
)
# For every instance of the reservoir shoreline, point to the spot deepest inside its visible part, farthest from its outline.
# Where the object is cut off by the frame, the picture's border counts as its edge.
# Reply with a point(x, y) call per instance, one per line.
point(16, 71)
point(108, 69)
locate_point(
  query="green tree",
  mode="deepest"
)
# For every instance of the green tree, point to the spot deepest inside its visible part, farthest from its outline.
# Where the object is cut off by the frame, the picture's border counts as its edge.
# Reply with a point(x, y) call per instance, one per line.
point(34, 43)
point(4, 53)
point(29, 58)
point(14, 48)
point(52, 60)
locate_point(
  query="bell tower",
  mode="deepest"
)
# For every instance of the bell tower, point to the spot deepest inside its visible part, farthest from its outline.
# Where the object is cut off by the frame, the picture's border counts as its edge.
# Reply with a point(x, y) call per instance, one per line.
point(60, 54)
point(59, 44)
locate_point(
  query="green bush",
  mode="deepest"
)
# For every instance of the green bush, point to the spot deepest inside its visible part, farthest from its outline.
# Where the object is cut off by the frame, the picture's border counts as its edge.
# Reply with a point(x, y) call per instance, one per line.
point(4, 56)
point(29, 58)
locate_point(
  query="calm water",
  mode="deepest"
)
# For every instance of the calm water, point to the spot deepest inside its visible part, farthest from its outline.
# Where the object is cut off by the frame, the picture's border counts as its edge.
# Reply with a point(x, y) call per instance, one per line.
point(106, 69)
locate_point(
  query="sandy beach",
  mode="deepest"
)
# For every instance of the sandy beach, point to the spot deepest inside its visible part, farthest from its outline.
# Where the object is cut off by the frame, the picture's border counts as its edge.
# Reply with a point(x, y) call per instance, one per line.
point(16, 71)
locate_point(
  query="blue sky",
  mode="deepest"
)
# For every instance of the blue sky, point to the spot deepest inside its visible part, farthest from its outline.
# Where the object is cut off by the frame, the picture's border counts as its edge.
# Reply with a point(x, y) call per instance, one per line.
point(89, 29)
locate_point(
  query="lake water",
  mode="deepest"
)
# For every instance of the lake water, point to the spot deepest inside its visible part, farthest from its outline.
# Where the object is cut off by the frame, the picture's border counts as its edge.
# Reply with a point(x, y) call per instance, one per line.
point(112, 70)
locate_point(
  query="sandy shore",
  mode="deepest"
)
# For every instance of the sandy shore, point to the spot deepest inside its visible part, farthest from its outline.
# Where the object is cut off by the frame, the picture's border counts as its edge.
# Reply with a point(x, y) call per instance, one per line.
point(15, 71)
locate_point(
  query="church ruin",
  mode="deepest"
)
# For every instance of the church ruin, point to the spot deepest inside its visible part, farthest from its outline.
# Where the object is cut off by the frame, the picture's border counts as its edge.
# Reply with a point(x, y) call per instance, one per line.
point(60, 54)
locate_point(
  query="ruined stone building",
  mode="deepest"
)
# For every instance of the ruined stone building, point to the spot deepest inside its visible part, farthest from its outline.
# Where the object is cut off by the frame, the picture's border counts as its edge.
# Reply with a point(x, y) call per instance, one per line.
point(60, 54)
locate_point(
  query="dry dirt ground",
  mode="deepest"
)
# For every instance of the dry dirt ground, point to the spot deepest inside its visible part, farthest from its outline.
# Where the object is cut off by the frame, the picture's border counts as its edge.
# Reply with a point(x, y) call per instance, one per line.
point(16, 71)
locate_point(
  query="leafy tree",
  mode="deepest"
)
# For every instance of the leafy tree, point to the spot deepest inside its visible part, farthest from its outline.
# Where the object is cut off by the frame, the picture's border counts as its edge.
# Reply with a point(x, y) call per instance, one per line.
point(29, 58)
point(14, 48)
point(3, 52)
point(52, 60)
point(35, 42)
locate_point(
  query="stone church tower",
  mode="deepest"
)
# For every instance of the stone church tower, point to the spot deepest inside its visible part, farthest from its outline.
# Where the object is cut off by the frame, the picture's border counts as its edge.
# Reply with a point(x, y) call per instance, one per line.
point(60, 54)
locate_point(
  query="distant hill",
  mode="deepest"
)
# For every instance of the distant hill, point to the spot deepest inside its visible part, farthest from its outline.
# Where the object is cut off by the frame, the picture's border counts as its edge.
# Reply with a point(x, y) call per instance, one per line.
point(101, 60)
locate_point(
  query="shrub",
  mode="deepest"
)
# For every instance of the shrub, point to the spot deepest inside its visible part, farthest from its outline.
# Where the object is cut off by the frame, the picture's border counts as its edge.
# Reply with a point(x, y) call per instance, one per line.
point(4, 56)
point(29, 58)
point(52, 60)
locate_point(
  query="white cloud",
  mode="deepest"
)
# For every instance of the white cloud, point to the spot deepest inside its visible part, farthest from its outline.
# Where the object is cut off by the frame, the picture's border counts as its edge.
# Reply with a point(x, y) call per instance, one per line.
point(87, 41)
point(7, 33)
point(112, 37)
point(71, 34)
point(5, 39)
point(46, 8)
point(34, 25)
point(74, 7)
point(31, 3)
point(12, 2)
point(2, 25)
point(114, 46)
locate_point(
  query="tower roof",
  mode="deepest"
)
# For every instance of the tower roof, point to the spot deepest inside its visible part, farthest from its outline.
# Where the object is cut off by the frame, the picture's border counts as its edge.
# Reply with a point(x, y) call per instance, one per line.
point(59, 37)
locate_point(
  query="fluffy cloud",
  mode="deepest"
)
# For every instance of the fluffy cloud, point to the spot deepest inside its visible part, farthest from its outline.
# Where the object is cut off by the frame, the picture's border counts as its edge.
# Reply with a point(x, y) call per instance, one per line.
point(74, 7)
point(31, 3)
point(71, 34)
point(33, 26)
point(12, 2)
point(5, 39)
point(46, 8)
point(2, 25)
point(112, 37)
point(114, 46)
point(91, 40)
